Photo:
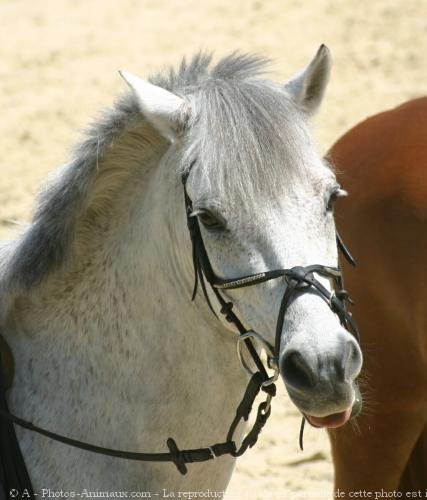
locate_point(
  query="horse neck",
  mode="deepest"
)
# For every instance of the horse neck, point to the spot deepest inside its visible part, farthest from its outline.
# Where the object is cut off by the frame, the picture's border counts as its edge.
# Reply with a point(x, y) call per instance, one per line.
point(121, 327)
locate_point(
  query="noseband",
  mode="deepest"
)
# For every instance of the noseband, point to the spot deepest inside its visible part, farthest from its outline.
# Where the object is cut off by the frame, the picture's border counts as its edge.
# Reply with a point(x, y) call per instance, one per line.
point(299, 280)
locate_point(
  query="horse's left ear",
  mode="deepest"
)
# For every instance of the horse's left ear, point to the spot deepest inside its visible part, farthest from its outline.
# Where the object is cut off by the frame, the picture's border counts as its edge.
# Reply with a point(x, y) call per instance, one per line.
point(307, 88)
point(165, 111)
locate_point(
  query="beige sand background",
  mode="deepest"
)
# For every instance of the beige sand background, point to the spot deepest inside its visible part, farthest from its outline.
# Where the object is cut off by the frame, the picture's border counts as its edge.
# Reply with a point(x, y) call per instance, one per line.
point(58, 67)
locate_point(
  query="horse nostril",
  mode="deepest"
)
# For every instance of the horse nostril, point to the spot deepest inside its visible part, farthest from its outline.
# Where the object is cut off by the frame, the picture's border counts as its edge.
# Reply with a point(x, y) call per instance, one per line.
point(296, 370)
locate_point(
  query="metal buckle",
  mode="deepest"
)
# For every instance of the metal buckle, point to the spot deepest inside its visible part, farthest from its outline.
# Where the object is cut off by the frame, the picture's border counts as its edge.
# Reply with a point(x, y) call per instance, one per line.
point(268, 349)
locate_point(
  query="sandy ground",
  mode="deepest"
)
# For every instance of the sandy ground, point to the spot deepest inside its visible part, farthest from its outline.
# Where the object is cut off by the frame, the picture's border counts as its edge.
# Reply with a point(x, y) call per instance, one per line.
point(58, 67)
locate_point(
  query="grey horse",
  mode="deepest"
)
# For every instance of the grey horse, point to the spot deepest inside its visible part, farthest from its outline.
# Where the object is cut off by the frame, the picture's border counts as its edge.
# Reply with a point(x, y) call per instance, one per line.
point(95, 301)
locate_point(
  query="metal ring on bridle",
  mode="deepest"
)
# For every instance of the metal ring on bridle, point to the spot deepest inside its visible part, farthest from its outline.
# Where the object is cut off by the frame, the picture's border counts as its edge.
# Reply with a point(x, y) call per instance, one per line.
point(268, 349)
point(267, 403)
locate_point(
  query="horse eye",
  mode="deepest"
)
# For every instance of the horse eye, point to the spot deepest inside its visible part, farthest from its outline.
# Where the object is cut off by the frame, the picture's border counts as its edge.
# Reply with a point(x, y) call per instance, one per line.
point(209, 220)
point(336, 193)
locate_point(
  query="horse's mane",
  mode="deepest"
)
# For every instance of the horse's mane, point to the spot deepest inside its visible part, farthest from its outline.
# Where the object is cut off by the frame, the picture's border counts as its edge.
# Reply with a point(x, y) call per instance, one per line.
point(234, 106)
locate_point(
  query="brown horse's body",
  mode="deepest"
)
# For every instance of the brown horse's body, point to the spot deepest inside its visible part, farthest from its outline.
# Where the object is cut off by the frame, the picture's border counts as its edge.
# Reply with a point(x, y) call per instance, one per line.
point(382, 162)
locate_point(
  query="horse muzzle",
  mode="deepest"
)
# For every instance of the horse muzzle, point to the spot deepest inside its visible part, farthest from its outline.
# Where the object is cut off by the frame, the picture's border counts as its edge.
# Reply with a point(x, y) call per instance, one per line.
point(322, 382)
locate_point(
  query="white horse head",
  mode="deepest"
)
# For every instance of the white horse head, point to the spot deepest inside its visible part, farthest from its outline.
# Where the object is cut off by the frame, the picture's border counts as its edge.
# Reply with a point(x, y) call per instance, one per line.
point(264, 199)
point(96, 293)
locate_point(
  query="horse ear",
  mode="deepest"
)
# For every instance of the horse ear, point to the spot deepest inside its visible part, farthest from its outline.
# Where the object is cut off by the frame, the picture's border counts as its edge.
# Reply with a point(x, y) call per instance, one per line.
point(164, 110)
point(307, 88)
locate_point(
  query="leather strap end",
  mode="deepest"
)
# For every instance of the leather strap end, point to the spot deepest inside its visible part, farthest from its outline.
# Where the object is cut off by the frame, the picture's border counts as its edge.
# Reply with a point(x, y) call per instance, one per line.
point(177, 458)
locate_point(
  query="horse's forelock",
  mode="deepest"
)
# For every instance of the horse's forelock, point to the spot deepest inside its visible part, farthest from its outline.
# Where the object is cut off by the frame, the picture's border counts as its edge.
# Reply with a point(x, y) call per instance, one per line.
point(246, 135)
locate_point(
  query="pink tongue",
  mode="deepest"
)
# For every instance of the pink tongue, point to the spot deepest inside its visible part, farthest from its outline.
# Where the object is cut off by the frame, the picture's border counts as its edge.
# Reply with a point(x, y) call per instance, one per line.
point(331, 421)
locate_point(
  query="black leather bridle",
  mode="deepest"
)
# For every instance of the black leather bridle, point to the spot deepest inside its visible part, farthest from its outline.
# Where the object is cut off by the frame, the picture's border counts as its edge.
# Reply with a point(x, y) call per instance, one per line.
point(299, 279)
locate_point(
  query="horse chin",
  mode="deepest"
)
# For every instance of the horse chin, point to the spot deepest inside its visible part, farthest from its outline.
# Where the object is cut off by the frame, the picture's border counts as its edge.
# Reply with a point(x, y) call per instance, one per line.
point(336, 420)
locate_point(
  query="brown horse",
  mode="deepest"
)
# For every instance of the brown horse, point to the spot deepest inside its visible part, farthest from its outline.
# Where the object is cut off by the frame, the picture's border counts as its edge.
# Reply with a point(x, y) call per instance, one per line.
point(382, 162)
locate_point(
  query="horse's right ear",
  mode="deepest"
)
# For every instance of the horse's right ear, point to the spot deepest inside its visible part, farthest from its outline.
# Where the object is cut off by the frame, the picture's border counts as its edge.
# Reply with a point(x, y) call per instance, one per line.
point(165, 111)
point(307, 88)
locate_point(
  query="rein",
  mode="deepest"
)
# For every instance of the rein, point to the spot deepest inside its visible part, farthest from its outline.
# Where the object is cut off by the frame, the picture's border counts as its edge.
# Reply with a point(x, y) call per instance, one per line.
point(299, 279)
